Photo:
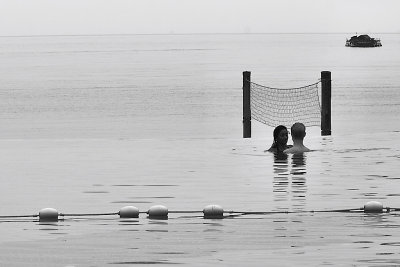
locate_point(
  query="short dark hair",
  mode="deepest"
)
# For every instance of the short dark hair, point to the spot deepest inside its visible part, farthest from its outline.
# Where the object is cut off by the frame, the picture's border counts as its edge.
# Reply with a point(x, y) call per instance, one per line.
point(298, 130)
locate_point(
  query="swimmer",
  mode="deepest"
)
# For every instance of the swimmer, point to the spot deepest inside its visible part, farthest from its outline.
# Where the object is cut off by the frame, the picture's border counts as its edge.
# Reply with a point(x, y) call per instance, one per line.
point(298, 131)
point(280, 140)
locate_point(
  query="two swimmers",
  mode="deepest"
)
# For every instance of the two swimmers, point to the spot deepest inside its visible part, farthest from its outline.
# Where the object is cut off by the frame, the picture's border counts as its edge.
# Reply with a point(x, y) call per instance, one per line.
point(281, 136)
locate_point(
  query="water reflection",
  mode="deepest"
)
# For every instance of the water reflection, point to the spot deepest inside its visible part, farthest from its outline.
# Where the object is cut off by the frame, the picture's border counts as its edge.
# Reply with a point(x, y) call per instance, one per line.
point(281, 177)
point(289, 184)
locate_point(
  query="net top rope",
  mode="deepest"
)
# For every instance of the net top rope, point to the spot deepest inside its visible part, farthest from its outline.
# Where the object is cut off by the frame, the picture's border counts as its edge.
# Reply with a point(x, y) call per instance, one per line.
point(301, 87)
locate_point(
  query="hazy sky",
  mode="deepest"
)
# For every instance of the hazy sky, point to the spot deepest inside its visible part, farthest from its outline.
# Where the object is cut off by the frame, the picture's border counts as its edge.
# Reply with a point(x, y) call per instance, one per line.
point(43, 17)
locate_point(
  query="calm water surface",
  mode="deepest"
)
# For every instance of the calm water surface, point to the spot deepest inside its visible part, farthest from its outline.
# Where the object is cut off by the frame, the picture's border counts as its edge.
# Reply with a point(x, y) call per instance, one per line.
point(94, 123)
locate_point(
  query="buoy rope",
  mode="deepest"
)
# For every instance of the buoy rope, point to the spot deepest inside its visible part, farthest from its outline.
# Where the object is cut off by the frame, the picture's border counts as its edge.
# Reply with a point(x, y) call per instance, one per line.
point(392, 209)
point(387, 209)
point(291, 212)
point(87, 214)
point(18, 216)
point(185, 211)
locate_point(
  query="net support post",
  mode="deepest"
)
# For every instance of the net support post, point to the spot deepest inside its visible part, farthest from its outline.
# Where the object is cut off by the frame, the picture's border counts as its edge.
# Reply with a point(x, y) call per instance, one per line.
point(326, 95)
point(246, 105)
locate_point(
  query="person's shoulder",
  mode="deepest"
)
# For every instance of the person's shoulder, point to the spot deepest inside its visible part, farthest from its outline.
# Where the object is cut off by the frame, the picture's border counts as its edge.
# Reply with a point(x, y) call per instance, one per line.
point(271, 149)
point(289, 150)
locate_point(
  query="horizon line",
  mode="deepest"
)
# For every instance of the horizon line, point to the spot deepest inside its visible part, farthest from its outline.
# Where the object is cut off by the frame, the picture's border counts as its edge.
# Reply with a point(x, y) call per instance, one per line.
point(205, 33)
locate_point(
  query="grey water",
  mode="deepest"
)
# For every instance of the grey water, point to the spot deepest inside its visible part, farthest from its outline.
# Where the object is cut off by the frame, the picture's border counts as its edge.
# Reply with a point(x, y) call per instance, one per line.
point(90, 124)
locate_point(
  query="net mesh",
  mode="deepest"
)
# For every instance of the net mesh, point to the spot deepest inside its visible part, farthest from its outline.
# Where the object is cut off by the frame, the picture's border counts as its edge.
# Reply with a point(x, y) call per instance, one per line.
point(275, 106)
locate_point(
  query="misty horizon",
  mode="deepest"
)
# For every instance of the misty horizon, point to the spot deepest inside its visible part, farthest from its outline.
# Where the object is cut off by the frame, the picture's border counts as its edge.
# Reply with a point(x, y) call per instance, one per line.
point(101, 17)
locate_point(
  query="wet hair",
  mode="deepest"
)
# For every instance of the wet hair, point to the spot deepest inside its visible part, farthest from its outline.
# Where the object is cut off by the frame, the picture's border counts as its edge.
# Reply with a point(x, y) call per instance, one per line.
point(277, 130)
point(298, 130)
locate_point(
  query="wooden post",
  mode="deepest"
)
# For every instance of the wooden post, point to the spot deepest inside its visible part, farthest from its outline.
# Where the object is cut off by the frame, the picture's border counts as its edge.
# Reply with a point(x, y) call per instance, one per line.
point(326, 93)
point(246, 105)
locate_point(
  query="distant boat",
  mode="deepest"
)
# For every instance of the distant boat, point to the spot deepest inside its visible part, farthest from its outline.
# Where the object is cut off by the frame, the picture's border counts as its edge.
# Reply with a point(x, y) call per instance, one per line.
point(363, 41)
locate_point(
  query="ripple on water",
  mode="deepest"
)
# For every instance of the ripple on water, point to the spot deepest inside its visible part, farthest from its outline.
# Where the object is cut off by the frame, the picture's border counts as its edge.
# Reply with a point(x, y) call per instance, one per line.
point(130, 202)
point(392, 262)
point(96, 192)
point(150, 185)
point(142, 262)
point(390, 244)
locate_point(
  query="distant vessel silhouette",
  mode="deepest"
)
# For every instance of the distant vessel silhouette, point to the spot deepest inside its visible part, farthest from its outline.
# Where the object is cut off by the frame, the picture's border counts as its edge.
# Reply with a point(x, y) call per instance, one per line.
point(363, 41)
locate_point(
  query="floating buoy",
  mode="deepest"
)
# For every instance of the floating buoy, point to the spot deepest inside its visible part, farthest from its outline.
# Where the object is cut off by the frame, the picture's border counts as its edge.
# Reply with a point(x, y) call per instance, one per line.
point(213, 212)
point(48, 215)
point(158, 212)
point(129, 212)
point(373, 207)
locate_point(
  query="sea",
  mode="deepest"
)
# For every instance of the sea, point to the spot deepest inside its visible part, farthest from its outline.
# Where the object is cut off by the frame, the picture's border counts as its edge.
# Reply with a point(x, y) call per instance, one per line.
point(91, 124)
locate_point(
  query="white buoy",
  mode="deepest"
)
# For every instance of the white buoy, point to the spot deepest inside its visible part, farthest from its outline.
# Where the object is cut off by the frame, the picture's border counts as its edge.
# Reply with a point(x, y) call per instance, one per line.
point(48, 215)
point(158, 212)
point(373, 207)
point(129, 212)
point(213, 212)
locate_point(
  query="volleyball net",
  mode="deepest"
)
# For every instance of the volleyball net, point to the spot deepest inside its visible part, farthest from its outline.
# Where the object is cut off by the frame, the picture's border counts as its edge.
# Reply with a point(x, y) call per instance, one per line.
point(286, 106)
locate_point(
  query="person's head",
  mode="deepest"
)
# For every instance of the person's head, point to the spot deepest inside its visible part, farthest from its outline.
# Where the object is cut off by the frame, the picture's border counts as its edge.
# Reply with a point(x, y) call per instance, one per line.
point(280, 135)
point(298, 131)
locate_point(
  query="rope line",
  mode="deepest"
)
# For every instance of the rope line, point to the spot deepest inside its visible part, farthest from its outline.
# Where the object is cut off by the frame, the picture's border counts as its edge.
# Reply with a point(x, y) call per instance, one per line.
point(17, 216)
point(87, 214)
point(294, 88)
point(387, 209)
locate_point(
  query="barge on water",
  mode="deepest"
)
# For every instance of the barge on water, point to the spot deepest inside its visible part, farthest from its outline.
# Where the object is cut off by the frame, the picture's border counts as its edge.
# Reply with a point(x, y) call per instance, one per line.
point(363, 41)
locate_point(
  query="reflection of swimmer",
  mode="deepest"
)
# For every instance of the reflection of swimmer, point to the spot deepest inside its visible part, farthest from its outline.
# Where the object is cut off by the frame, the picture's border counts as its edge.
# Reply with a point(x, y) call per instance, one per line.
point(298, 131)
point(280, 140)
point(280, 158)
point(299, 164)
point(289, 184)
point(299, 160)
point(298, 173)
point(281, 177)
